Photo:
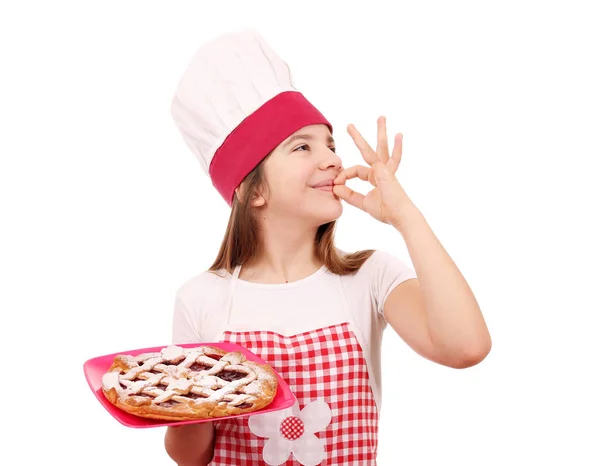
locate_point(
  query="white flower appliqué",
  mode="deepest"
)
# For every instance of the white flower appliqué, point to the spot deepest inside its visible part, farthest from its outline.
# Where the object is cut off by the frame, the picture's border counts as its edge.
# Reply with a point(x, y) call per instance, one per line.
point(292, 431)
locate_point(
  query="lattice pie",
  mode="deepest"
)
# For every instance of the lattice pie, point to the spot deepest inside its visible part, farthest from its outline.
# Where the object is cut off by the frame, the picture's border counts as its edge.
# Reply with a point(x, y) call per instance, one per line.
point(188, 383)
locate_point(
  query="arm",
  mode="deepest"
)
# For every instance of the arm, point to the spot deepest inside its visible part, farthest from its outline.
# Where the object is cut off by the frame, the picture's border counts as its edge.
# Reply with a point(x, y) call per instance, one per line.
point(191, 444)
point(437, 314)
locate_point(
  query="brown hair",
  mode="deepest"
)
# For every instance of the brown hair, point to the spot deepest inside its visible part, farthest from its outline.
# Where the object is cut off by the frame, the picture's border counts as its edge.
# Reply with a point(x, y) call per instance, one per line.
point(241, 241)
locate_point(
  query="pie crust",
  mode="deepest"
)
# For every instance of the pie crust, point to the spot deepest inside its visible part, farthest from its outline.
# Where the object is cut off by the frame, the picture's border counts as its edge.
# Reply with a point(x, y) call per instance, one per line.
point(188, 383)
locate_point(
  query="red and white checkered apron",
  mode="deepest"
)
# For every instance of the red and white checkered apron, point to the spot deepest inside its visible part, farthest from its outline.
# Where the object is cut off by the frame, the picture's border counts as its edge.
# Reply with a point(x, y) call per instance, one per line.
point(324, 365)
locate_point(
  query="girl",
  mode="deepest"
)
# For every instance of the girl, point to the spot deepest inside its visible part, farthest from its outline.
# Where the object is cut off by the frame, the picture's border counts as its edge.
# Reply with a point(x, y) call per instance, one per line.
point(280, 287)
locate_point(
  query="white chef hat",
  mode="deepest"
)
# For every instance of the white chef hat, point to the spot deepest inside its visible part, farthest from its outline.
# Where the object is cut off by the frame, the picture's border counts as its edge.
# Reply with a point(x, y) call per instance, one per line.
point(235, 103)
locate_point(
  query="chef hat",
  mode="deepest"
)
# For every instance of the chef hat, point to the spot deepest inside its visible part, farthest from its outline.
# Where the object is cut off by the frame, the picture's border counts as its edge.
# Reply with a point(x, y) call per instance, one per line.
point(235, 103)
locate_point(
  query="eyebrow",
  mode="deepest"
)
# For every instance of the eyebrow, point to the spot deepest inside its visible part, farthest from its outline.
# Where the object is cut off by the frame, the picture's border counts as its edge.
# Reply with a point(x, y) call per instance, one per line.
point(308, 137)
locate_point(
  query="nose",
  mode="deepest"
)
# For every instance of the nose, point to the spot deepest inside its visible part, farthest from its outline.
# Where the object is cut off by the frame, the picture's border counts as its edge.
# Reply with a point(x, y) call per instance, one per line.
point(329, 160)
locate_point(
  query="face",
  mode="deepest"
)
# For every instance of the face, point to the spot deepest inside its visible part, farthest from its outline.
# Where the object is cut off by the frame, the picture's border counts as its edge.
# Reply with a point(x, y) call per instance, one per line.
point(299, 176)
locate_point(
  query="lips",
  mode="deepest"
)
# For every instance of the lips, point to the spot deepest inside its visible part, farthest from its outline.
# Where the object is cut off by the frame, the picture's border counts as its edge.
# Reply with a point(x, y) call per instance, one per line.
point(324, 184)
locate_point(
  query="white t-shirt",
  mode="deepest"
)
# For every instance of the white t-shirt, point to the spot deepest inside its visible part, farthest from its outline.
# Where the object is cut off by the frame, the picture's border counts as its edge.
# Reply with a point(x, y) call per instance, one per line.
point(313, 302)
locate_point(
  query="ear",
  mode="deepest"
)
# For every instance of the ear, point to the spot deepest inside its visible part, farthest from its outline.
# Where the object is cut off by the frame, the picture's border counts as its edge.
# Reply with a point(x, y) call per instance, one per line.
point(258, 200)
point(238, 193)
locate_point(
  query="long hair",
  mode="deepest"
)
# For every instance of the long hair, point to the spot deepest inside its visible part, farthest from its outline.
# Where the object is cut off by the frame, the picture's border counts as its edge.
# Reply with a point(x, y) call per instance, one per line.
point(241, 241)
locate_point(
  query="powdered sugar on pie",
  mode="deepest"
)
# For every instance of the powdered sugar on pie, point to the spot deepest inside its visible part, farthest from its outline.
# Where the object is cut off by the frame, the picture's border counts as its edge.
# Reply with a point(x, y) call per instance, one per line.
point(188, 383)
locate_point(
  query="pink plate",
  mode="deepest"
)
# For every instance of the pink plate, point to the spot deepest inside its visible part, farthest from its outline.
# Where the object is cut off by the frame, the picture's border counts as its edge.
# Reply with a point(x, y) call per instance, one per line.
point(95, 368)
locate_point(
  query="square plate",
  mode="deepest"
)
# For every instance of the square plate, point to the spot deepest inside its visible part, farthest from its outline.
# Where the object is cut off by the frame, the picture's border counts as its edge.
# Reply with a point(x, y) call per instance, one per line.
point(95, 368)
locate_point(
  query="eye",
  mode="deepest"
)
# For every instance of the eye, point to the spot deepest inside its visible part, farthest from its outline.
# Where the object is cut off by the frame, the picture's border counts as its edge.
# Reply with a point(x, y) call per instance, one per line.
point(332, 149)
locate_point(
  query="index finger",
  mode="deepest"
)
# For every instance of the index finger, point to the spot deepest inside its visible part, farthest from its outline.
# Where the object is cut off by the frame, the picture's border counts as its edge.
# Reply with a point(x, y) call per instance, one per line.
point(357, 171)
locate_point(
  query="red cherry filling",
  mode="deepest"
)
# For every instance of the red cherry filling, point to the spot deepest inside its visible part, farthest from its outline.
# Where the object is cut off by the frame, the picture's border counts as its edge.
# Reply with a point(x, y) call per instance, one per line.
point(199, 367)
point(230, 376)
point(168, 404)
point(215, 356)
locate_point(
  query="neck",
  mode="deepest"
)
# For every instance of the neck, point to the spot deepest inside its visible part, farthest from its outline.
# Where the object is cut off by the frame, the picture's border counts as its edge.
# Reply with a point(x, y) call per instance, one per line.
point(287, 254)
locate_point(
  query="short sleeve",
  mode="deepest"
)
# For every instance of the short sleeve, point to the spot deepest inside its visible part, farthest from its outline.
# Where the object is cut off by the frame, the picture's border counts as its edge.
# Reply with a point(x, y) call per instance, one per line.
point(387, 272)
point(185, 324)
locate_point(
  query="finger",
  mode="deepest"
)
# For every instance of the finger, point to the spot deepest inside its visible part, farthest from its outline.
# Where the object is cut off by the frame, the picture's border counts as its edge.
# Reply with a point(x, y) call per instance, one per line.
point(350, 196)
point(394, 162)
point(365, 149)
point(357, 171)
point(382, 140)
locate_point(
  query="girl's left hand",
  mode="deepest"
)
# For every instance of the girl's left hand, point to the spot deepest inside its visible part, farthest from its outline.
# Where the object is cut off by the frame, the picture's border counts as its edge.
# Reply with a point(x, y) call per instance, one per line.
point(387, 201)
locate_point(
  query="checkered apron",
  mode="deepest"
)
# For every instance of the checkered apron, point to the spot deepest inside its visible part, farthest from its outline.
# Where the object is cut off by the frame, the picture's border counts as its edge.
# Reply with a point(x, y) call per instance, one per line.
point(325, 365)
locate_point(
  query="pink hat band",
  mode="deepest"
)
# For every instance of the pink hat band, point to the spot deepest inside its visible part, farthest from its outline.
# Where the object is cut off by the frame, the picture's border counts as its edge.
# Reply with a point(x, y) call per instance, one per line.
point(257, 135)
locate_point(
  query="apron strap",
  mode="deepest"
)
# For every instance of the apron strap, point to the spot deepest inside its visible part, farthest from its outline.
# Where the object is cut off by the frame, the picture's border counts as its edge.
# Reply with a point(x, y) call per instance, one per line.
point(349, 316)
point(224, 320)
point(231, 290)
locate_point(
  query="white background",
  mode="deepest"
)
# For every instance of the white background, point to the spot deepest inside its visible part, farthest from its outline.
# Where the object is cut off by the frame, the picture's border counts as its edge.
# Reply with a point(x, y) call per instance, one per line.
point(105, 212)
